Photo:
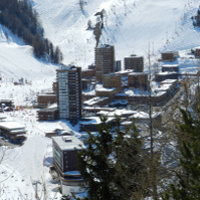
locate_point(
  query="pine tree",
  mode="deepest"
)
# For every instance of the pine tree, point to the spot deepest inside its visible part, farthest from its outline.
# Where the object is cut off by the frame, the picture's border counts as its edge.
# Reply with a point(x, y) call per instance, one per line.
point(130, 166)
point(112, 164)
point(22, 20)
point(188, 177)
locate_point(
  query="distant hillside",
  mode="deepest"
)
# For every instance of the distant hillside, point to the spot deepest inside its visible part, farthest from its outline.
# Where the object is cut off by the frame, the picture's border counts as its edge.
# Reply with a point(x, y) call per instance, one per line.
point(22, 20)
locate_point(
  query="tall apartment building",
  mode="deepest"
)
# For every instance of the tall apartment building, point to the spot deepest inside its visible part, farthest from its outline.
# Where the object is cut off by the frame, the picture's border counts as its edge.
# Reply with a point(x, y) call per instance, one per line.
point(69, 93)
point(104, 60)
point(136, 63)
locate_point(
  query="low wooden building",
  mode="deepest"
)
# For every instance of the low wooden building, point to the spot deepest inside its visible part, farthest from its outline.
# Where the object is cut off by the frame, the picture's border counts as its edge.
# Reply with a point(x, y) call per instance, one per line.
point(48, 114)
point(13, 131)
point(87, 84)
point(161, 76)
point(89, 73)
point(169, 56)
point(138, 80)
point(170, 68)
point(45, 100)
point(112, 80)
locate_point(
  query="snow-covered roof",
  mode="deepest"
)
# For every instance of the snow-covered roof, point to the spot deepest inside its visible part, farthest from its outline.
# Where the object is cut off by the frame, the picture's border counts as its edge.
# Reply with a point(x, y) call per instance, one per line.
point(166, 73)
point(134, 56)
point(138, 73)
point(169, 81)
point(100, 87)
point(94, 120)
point(47, 95)
point(91, 92)
point(95, 100)
point(124, 71)
point(11, 125)
point(170, 66)
point(136, 92)
point(132, 113)
point(97, 108)
point(68, 142)
point(164, 87)
point(118, 112)
point(105, 46)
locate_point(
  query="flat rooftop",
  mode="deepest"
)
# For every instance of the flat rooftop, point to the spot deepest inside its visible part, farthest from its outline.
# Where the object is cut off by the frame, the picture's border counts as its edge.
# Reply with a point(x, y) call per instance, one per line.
point(170, 66)
point(68, 142)
point(47, 95)
point(168, 81)
point(166, 73)
point(11, 125)
point(95, 100)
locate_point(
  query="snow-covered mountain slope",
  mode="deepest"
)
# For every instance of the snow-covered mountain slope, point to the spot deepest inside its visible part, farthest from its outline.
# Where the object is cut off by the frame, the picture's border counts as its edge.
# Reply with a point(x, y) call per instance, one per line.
point(17, 60)
point(129, 24)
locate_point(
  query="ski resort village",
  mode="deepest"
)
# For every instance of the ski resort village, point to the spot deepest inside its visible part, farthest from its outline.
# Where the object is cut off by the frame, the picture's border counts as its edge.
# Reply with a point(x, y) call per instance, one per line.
point(87, 68)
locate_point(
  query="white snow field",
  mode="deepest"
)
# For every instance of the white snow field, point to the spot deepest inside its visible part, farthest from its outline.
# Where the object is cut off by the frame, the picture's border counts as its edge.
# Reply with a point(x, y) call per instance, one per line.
point(131, 25)
point(16, 62)
point(22, 167)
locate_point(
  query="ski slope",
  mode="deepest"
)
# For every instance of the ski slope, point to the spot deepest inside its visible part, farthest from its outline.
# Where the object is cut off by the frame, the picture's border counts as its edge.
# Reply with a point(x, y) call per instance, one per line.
point(130, 25)
point(17, 60)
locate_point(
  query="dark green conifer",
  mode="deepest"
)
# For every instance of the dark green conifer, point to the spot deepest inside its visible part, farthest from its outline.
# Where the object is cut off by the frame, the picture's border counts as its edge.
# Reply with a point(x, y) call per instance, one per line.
point(112, 164)
point(187, 180)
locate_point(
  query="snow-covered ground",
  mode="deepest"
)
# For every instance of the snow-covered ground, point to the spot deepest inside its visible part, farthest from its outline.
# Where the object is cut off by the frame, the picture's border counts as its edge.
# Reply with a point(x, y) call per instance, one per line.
point(17, 60)
point(22, 167)
point(131, 25)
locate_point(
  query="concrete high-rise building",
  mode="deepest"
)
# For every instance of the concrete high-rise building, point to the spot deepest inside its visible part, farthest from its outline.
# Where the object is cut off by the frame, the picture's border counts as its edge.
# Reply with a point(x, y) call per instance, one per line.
point(69, 93)
point(136, 63)
point(104, 60)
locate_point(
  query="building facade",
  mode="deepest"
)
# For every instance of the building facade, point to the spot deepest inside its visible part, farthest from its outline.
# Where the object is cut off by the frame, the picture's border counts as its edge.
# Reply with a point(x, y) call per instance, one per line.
point(69, 93)
point(65, 161)
point(136, 63)
point(104, 60)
